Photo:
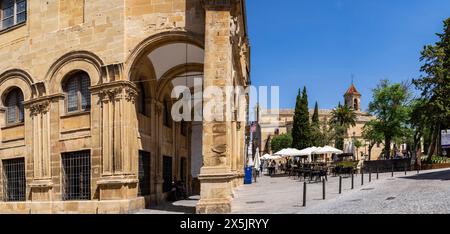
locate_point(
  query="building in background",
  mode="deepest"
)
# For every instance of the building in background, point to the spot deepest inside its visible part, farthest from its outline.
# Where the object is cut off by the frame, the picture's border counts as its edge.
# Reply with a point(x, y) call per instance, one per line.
point(272, 125)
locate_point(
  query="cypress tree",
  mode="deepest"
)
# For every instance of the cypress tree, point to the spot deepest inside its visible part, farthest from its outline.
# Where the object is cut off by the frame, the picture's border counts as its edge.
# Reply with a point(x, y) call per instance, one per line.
point(301, 129)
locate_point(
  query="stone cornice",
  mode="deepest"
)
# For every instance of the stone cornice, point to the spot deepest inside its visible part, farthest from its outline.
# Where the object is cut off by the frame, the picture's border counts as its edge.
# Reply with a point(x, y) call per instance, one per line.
point(217, 4)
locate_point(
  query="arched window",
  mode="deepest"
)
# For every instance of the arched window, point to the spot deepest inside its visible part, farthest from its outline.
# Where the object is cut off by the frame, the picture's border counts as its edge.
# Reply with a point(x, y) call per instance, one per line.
point(14, 106)
point(355, 103)
point(78, 95)
point(166, 114)
point(142, 105)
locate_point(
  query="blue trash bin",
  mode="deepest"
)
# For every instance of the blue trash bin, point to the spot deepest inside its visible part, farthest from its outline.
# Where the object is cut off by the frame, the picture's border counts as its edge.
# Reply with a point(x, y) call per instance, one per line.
point(248, 175)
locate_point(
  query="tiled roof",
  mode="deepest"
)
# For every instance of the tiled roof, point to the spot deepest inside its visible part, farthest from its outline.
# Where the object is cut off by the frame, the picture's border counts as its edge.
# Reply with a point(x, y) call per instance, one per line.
point(352, 91)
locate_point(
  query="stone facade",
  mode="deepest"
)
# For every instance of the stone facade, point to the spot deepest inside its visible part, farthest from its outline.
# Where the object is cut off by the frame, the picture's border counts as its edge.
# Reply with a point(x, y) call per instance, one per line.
point(132, 51)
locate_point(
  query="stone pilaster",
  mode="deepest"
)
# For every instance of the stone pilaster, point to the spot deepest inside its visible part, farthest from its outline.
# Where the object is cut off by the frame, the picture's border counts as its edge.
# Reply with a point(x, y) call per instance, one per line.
point(159, 107)
point(119, 145)
point(216, 175)
point(41, 186)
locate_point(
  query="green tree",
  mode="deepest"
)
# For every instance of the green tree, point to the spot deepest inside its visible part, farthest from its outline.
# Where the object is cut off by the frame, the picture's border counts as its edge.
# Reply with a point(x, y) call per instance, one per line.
point(390, 106)
point(358, 145)
point(419, 122)
point(342, 118)
point(301, 127)
point(435, 85)
point(281, 142)
point(316, 132)
point(372, 134)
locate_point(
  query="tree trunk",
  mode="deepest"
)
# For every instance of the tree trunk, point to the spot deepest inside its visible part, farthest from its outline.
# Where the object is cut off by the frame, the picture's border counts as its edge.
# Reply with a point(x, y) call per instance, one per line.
point(432, 148)
point(417, 150)
point(370, 151)
point(387, 147)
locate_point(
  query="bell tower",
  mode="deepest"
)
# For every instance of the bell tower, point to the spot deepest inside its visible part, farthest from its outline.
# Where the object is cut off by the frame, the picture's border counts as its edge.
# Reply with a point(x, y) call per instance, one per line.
point(353, 98)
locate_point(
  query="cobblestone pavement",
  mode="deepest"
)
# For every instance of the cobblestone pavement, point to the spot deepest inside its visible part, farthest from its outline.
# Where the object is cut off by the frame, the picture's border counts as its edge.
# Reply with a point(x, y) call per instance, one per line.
point(428, 193)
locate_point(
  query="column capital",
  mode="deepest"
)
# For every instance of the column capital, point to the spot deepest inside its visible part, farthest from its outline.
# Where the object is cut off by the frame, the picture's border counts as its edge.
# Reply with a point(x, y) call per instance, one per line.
point(41, 105)
point(116, 90)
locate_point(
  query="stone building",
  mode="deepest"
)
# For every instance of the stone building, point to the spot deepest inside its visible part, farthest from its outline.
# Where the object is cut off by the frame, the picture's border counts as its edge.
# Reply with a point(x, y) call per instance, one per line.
point(282, 123)
point(85, 89)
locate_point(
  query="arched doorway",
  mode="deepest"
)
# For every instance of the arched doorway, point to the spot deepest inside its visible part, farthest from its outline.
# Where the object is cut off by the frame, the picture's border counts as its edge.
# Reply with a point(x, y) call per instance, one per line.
point(174, 147)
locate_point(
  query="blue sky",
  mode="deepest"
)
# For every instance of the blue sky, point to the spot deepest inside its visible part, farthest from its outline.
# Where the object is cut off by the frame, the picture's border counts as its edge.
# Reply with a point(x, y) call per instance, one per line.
point(321, 43)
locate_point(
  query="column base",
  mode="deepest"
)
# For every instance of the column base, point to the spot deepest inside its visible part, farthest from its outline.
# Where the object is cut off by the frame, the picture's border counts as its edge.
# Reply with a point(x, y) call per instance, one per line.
point(214, 207)
point(41, 190)
point(117, 188)
point(216, 191)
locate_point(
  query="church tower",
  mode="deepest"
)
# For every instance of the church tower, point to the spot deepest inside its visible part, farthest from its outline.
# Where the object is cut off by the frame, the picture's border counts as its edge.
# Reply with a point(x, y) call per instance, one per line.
point(353, 98)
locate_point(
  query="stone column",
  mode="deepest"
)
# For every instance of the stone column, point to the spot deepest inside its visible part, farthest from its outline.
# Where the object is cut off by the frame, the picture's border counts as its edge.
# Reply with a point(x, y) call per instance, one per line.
point(119, 140)
point(42, 185)
point(216, 176)
point(159, 141)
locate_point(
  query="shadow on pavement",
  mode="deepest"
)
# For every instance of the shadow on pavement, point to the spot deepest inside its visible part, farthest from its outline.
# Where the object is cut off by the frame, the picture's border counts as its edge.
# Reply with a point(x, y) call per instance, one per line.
point(184, 206)
point(440, 175)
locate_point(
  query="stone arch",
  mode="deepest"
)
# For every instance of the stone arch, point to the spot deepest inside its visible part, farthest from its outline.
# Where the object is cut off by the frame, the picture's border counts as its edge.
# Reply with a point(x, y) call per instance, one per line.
point(172, 74)
point(16, 78)
point(153, 42)
point(73, 62)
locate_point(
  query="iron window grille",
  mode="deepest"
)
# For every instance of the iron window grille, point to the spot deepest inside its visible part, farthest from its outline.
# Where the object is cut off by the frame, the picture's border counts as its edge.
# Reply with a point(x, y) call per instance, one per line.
point(78, 95)
point(76, 168)
point(144, 173)
point(12, 12)
point(14, 107)
point(14, 181)
point(167, 174)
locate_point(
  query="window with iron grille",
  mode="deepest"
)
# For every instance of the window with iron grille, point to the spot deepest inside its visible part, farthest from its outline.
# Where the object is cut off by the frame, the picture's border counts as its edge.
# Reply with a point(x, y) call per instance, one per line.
point(14, 106)
point(14, 183)
point(12, 12)
point(167, 173)
point(144, 173)
point(76, 168)
point(77, 92)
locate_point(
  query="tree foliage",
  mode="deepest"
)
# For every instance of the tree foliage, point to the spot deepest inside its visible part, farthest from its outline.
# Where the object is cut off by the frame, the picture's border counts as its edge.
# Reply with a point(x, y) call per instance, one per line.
point(342, 118)
point(281, 142)
point(316, 130)
point(390, 106)
point(372, 134)
point(435, 87)
point(301, 132)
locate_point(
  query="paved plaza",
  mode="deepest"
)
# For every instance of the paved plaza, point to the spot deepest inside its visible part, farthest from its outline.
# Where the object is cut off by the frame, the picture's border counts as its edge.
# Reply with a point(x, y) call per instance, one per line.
point(427, 192)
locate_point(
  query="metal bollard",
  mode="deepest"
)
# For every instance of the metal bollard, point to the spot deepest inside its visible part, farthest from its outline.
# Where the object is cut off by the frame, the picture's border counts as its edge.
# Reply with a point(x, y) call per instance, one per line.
point(323, 189)
point(304, 194)
point(392, 175)
point(405, 168)
point(378, 173)
point(353, 180)
point(362, 178)
point(370, 176)
point(340, 184)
